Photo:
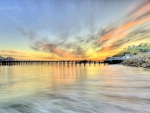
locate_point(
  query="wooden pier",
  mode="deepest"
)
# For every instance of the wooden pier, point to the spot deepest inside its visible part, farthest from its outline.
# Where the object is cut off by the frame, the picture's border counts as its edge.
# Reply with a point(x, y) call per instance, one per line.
point(72, 62)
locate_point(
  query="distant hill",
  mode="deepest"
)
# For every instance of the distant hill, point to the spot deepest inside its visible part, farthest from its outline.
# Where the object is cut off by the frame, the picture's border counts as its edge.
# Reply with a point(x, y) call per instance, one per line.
point(140, 49)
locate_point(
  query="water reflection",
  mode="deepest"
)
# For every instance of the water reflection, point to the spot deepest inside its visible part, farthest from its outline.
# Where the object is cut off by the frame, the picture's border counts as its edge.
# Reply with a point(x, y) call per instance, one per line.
point(74, 89)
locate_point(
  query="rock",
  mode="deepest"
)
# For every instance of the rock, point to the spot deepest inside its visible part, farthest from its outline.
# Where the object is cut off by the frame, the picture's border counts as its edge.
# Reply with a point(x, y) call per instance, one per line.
point(144, 65)
point(141, 61)
point(148, 61)
point(143, 58)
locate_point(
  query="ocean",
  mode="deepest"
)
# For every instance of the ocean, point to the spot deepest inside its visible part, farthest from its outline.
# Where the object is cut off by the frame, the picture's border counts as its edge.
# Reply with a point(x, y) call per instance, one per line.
point(74, 89)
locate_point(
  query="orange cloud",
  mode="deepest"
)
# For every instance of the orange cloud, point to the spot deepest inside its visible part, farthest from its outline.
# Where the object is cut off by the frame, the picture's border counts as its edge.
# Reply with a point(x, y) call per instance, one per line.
point(11, 51)
point(3, 51)
point(143, 8)
point(55, 50)
point(14, 52)
point(123, 30)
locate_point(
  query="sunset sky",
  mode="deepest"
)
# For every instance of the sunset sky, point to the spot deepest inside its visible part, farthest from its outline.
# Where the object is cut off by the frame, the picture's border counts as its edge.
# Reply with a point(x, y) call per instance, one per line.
point(71, 29)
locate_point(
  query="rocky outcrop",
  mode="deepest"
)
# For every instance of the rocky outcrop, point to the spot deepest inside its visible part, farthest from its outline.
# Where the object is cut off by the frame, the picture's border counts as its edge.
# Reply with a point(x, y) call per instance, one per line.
point(138, 61)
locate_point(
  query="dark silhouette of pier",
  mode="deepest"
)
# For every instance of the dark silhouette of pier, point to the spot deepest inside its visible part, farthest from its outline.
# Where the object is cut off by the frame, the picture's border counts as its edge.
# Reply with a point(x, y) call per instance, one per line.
point(63, 62)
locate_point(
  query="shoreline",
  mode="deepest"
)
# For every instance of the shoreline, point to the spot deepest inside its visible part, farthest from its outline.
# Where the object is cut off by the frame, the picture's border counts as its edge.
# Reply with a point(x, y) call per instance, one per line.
point(138, 61)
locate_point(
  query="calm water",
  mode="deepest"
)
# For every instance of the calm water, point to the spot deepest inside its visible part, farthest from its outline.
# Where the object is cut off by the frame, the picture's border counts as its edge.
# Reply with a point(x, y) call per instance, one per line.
point(74, 89)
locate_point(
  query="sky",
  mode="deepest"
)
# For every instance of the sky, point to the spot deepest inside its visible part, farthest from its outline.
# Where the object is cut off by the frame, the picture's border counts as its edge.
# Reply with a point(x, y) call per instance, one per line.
point(71, 29)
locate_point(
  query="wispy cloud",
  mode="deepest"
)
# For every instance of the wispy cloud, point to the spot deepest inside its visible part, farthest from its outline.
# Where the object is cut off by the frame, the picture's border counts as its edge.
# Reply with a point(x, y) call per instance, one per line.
point(11, 51)
point(10, 9)
point(118, 35)
point(45, 46)
point(30, 33)
point(52, 57)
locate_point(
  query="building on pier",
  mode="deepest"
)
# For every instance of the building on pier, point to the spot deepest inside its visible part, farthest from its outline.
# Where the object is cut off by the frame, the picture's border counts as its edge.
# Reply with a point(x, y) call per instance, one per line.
point(126, 56)
point(2, 58)
point(6, 59)
point(10, 59)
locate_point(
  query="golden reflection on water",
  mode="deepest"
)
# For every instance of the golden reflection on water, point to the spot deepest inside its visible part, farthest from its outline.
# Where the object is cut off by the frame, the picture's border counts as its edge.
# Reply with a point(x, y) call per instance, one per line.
point(24, 80)
point(28, 79)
